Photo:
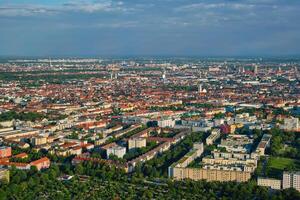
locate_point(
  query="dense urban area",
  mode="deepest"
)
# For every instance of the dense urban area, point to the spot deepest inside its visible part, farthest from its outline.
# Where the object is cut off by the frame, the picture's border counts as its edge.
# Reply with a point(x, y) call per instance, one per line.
point(149, 128)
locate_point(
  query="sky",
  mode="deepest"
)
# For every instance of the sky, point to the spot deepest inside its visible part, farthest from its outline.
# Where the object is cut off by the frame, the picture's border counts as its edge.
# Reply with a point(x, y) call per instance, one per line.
point(149, 27)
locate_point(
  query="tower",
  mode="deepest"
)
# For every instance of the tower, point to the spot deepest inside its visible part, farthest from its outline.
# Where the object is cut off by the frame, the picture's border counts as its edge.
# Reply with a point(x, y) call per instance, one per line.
point(200, 88)
point(111, 75)
point(164, 75)
point(199, 83)
point(255, 69)
point(50, 63)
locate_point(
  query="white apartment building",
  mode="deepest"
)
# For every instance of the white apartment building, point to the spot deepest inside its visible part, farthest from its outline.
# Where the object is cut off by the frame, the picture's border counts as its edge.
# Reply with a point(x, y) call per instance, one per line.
point(269, 182)
point(215, 134)
point(291, 180)
point(163, 123)
point(116, 150)
point(136, 143)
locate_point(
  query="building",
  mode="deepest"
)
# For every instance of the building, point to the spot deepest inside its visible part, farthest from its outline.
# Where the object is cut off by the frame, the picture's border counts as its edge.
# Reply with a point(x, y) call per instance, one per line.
point(237, 143)
point(167, 122)
point(5, 152)
point(21, 166)
point(226, 159)
point(215, 134)
point(231, 161)
point(42, 163)
point(21, 155)
point(221, 175)
point(38, 140)
point(116, 150)
point(4, 175)
point(269, 182)
point(263, 144)
point(291, 124)
point(136, 143)
point(75, 150)
point(291, 180)
point(195, 152)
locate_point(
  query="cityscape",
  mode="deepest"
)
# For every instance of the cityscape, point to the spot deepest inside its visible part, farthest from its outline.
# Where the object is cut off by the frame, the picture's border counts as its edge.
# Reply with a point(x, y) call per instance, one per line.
point(147, 124)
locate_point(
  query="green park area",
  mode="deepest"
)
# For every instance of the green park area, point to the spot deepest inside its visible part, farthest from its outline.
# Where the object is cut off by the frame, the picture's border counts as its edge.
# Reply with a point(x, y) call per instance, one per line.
point(276, 165)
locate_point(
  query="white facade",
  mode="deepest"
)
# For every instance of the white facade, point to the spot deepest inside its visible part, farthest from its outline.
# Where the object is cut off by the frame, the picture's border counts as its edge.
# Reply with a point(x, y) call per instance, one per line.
point(215, 134)
point(163, 123)
point(136, 143)
point(269, 182)
point(117, 151)
point(291, 180)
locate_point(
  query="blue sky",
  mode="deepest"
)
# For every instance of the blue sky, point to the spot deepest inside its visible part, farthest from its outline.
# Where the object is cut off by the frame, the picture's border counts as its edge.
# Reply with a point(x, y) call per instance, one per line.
point(149, 27)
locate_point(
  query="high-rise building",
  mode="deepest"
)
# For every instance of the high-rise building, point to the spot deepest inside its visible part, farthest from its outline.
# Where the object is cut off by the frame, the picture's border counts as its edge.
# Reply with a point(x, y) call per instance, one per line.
point(291, 180)
point(39, 140)
point(255, 69)
point(164, 76)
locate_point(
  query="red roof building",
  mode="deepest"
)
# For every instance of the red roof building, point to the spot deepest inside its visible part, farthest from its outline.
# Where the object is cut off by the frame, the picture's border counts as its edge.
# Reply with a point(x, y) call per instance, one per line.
point(42, 163)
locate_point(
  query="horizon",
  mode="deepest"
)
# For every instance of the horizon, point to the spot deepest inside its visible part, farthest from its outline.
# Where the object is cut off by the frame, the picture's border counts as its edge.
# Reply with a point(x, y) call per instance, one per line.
point(151, 57)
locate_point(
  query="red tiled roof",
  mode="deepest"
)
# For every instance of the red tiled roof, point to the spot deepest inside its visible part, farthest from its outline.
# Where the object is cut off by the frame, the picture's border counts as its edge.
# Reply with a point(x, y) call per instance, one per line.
point(36, 162)
point(21, 155)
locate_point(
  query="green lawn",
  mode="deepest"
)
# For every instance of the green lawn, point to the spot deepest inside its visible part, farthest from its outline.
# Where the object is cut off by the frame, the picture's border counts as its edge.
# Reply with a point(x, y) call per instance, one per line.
point(276, 165)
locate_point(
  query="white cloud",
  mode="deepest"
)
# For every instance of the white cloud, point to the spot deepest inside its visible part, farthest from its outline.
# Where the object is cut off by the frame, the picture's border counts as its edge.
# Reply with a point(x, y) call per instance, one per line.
point(208, 6)
point(24, 10)
point(74, 6)
point(91, 7)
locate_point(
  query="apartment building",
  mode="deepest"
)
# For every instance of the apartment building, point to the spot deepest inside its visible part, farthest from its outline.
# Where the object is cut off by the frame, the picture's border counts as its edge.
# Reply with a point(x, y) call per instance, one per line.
point(195, 152)
point(263, 144)
point(38, 140)
point(269, 182)
point(138, 142)
point(117, 151)
point(215, 134)
point(209, 174)
point(166, 122)
point(291, 180)
point(42, 163)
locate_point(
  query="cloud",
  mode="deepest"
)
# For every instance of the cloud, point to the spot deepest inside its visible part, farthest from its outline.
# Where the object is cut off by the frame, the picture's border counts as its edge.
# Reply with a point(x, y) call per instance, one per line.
point(25, 10)
point(221, 5)
point(74, 6)
point(89, 7)
point(110, 24)
point(248, 12)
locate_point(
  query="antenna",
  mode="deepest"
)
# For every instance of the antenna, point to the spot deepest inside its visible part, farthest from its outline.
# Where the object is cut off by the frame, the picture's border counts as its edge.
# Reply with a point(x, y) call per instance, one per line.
point(50, 64)
point(199, 82)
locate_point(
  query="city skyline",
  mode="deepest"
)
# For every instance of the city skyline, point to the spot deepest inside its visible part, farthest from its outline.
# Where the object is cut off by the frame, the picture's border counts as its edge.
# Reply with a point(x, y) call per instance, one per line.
point(143, 28)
